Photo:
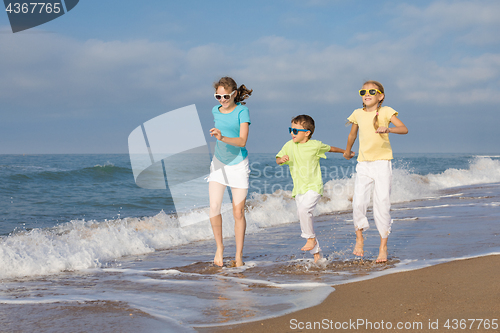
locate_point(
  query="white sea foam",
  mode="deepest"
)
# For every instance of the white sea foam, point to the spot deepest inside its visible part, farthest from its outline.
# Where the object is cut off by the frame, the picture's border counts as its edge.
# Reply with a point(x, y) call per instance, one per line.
point(481, 170)
point(92, 244)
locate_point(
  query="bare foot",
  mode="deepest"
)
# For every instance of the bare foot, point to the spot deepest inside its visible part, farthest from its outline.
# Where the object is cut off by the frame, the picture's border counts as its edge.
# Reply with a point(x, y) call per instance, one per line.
point(382, 254)
point(238, 261)
point(218, 259)
point(310, 244)
point(317, 256)
point(358, 248)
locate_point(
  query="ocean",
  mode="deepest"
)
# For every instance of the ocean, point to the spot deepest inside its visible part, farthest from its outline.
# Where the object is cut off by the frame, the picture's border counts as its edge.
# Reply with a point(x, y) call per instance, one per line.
point(81, 244)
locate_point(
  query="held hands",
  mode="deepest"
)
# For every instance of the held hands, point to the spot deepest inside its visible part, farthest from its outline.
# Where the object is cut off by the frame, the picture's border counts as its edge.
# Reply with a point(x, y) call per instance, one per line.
point(216, 132)
point(349, 154)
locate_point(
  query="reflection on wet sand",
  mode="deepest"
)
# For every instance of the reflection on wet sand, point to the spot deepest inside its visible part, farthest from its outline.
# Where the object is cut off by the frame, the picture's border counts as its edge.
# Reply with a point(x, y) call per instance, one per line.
point(223, 307)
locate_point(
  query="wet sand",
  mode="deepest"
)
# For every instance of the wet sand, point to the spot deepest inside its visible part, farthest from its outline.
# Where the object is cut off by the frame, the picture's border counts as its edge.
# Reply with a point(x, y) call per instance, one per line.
point(89, 316)
point(423, 300)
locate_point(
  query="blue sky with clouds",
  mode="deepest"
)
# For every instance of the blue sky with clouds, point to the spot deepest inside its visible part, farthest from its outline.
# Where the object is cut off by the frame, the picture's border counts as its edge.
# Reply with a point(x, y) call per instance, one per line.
point(83, 82)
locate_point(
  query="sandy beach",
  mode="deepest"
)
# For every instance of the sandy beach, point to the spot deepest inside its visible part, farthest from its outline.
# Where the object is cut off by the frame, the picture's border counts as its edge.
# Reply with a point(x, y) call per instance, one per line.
point(441, 298)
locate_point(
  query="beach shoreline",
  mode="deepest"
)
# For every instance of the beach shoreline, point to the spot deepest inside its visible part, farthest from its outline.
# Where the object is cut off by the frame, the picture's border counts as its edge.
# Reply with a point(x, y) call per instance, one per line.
point(447, 297)
point(147, 274)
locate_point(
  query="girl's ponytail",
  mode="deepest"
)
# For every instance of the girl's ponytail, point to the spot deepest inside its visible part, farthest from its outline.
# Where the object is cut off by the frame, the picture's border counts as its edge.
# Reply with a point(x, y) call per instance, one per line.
point(243, 93)
point(375, 119)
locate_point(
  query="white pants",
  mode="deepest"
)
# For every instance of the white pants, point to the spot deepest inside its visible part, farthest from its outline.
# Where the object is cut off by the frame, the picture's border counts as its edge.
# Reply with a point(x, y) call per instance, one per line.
point(378, 173)
point(305, 206)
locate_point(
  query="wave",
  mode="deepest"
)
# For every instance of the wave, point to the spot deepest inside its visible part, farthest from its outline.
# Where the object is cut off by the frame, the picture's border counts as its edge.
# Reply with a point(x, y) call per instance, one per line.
point(408, 186)
point(107, 170)
point(80, 244)
point(481, 170)
point(83, 244)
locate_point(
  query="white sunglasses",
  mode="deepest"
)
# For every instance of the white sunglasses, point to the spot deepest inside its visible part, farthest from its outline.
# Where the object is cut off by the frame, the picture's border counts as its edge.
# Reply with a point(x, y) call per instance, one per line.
point(225, 96)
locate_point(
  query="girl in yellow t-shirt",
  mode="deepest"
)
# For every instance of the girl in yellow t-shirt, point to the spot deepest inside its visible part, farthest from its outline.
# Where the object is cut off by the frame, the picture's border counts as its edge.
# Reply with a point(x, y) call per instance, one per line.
point(374, 163)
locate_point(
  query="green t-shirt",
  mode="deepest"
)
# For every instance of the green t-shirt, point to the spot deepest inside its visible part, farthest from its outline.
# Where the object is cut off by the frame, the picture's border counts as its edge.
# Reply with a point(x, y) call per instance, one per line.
point(304, 165)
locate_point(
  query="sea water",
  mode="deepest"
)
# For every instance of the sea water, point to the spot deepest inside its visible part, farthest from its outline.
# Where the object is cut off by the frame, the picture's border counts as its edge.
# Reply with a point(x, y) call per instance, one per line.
point(78, 233)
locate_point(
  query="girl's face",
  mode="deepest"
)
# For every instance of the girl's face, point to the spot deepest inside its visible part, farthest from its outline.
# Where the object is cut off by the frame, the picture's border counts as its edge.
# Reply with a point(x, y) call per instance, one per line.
point(226, 103)
point(369, 100)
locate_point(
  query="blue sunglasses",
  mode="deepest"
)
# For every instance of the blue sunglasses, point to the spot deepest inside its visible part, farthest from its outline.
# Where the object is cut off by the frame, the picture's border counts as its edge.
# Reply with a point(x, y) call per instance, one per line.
point(296, 130)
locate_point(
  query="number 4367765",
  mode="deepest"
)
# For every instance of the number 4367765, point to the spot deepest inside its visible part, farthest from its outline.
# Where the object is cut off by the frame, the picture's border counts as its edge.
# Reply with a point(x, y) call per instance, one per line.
point(33, 7)
point(471, 324)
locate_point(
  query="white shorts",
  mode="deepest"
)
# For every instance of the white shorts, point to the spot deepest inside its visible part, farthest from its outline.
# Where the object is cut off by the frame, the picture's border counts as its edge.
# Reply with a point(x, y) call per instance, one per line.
point(230, 175)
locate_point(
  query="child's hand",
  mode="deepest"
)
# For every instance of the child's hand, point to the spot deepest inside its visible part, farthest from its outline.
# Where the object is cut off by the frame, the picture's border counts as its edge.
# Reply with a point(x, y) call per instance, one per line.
point(284, 159)
point(349, 154)
point(216, 132)
point(382, 129)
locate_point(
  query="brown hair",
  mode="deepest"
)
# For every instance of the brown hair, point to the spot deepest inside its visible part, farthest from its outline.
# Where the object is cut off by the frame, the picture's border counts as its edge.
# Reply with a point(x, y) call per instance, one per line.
point(380, 87)
point(230, 85)
point(305, 121)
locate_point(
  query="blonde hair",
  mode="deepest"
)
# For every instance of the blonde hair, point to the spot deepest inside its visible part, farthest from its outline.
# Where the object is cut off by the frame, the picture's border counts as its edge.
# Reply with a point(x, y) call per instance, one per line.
point(230, 85)
point(380, 87)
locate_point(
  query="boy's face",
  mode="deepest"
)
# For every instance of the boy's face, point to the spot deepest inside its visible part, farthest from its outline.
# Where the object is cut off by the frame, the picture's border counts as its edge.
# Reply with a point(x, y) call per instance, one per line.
point(301, 136)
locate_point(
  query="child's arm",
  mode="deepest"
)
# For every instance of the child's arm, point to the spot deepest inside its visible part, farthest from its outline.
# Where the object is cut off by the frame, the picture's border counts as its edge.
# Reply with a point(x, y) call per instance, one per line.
point(399, 128)
point(339, 150)
point(240, 141)
point(282, 159)
point(348, 154)
point(336, 150)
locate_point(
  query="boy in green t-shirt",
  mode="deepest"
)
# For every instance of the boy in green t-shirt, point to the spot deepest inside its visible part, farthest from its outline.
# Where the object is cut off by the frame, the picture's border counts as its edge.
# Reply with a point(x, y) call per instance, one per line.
point(302, 156)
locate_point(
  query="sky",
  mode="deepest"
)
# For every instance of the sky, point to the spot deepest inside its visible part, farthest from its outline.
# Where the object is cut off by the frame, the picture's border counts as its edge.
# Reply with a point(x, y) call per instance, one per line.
point(84, 81)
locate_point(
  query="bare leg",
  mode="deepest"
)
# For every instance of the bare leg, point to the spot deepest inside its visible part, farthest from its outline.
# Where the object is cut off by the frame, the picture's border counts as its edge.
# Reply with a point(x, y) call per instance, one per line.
point(382, 254)
point(358, 248)
point(317, 256)
point(240, 224)
point(216, 222)
point(216, 192)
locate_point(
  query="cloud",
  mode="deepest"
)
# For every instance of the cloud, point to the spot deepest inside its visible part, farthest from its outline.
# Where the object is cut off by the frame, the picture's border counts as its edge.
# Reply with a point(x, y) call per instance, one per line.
point(54, 76)
point(422, 55)
point(425, 62)
point(426, 65)
point(330, 74)
point(470, 22)
point(53, 70)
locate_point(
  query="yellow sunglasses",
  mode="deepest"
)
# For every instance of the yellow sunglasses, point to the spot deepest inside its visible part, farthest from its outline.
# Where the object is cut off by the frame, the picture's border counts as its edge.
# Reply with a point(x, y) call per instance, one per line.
point(372, 92)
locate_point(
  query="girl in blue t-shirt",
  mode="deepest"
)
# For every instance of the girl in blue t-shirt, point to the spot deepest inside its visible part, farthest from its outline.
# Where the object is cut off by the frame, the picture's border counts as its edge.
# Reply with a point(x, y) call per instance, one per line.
point(230, 162)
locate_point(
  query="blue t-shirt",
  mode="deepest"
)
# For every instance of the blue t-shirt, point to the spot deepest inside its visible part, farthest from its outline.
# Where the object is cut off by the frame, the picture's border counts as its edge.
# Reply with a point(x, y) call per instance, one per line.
point(229, 126)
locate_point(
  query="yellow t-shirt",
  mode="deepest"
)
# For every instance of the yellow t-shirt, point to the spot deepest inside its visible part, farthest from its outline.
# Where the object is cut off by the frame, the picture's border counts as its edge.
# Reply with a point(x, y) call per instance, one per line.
point(373, 146)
